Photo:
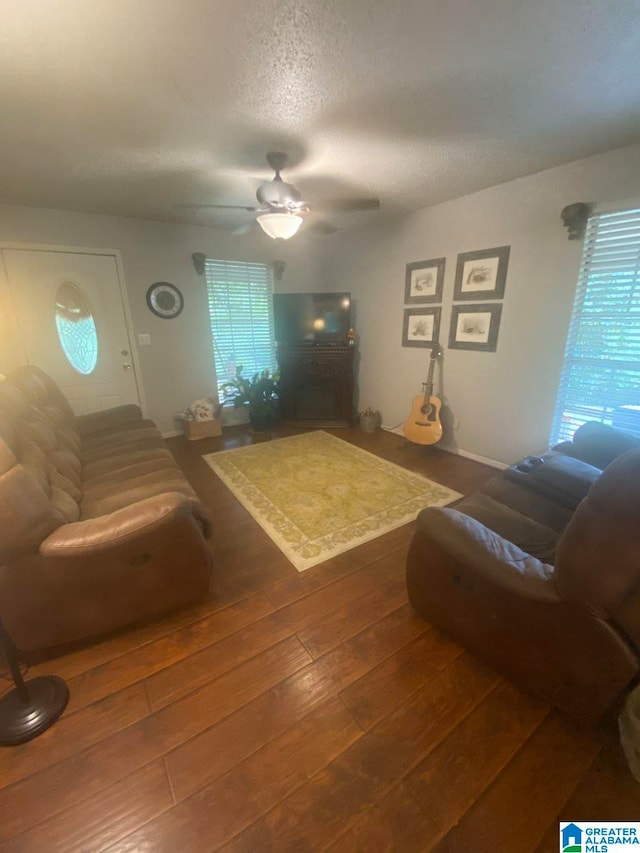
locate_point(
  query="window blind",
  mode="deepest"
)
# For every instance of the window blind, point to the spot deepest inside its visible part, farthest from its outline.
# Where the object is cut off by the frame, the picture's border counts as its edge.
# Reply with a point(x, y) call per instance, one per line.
point(600, 378)
point(241, 317)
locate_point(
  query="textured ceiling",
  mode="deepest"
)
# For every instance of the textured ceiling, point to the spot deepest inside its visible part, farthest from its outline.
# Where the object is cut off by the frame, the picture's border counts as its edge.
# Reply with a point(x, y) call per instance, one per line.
point(130, 106)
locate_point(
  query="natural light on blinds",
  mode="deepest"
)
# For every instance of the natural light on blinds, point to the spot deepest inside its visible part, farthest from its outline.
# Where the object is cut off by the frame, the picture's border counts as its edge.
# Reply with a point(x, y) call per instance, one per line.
point(601, 373)
point(241, 315)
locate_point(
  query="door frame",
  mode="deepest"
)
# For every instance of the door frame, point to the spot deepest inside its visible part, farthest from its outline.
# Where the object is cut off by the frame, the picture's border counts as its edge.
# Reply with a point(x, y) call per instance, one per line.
point(124, 295)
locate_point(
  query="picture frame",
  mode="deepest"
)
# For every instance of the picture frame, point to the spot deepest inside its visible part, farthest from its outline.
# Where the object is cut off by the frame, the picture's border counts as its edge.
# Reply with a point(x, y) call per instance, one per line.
point(424, 281)
point(481, 275)
point(421, 327)
point(475, 327)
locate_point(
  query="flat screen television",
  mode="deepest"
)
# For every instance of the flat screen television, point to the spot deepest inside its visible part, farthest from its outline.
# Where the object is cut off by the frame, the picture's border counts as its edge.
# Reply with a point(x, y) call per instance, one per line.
point(312, 318)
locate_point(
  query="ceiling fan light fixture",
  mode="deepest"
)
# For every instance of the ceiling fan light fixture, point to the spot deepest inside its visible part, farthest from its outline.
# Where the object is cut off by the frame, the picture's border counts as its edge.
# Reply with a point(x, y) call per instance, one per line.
point(279, 226)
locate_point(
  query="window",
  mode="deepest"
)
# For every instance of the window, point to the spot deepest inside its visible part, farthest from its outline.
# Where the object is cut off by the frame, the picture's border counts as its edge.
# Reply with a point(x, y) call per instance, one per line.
point(76, 328)
point(241, 316)
point(601, 373)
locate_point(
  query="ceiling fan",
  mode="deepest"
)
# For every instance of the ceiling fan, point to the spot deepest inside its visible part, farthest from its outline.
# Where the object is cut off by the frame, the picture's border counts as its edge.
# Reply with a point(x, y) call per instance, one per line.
point(281, 208)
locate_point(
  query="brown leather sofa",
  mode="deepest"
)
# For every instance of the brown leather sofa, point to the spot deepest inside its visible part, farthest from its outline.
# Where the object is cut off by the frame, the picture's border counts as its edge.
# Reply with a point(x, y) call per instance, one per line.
point(99, 528)
point(538, 573)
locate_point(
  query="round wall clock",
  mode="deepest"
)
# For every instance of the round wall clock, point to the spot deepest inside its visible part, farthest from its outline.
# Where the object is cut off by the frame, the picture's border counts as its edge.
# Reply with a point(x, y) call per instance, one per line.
point(165, 300)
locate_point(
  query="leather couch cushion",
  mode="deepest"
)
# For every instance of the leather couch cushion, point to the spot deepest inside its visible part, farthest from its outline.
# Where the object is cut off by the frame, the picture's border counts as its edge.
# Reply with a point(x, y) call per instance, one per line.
point(525, 533)
point(599, 444)
point(100, 487)
point(43, 441)
point(138, 436)
point(121, 436)
point(122, 459)
point(64, 504)
point(90, 475)
point(137, 549)
point(129, 472)
point(27, 515)
point(108, 421)
point(538, 507)
point(565, 480)
point(40, 430)
point(107, 501)
point(119, 448)
point(571, 477)
point(501, 561)
point(34, 460)
point(598, 562)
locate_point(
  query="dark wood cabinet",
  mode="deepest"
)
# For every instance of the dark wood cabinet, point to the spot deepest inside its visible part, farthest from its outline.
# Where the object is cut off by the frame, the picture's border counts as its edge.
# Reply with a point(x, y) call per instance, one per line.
point(316, 385)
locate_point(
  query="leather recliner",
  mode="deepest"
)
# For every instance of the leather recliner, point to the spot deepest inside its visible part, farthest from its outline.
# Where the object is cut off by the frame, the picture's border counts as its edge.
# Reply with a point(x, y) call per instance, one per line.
point(99, 528)
point(548, 596)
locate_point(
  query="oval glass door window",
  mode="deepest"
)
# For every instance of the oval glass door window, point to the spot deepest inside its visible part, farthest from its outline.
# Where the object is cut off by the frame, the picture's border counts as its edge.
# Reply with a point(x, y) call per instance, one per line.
point(76, 328)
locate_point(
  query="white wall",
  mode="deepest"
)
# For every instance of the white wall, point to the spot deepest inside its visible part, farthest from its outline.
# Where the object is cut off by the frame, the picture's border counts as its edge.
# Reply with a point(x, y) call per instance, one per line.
point(178, 366)
point(503, 401)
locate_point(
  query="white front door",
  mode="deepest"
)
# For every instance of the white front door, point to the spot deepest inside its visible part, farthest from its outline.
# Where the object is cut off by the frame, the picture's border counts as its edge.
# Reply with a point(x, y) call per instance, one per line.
point(70, 315)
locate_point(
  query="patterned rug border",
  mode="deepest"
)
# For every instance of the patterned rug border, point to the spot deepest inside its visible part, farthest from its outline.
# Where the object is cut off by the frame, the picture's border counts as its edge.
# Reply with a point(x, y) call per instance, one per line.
point(301, 563)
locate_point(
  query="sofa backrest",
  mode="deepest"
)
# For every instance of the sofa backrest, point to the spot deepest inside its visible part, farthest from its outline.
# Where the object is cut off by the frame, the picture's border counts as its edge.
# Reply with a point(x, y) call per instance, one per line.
point(598, 556)
point(40, 461)
point(599, 444)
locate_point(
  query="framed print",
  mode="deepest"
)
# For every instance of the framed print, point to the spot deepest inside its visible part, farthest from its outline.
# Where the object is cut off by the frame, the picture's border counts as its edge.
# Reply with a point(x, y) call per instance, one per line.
point(481, 275)
point(421, 327)
point(424, 281)
point(475, 327)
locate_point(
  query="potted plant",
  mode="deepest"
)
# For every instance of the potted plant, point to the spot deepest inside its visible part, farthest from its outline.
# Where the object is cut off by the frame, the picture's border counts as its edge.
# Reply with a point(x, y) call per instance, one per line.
point(259, 394)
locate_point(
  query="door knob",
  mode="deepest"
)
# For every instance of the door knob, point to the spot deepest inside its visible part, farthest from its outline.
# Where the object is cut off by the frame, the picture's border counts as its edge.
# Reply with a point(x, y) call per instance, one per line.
point(126, 366)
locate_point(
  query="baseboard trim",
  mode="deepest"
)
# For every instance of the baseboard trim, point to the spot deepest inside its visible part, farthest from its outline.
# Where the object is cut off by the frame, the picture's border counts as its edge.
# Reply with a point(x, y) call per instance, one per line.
point(457, 451)
point(493, 463)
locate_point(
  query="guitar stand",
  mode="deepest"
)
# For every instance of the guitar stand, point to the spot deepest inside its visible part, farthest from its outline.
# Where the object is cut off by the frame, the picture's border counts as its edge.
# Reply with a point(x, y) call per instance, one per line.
point(408, 444)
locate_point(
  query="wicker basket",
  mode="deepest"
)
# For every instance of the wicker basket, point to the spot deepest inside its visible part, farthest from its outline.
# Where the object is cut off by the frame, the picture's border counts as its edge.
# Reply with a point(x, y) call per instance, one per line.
point(195, 430)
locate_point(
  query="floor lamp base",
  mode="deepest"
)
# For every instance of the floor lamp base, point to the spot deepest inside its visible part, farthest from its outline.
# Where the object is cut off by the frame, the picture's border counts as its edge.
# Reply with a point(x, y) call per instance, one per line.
point(21, 720)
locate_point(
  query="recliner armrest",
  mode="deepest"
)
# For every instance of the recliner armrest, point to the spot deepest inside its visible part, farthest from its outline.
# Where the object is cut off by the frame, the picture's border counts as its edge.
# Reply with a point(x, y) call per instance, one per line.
point(500, 561)
point(120, 527)
point(110, 419)
point(558, 477)
point(572, 477)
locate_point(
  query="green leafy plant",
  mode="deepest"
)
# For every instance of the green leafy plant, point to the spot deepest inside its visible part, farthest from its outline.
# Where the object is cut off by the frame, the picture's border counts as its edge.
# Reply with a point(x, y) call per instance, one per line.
point(259, 394)
point(369, 413)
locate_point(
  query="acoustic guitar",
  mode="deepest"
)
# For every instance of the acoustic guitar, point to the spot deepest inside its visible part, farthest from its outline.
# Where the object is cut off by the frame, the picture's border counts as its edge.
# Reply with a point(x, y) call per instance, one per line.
point(423, 425)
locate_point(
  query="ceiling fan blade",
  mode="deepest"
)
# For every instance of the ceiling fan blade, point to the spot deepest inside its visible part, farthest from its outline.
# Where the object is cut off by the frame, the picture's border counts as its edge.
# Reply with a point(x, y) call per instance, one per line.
point(321, 226)
point(216, 207)
point(347, 205)
point(243, 229)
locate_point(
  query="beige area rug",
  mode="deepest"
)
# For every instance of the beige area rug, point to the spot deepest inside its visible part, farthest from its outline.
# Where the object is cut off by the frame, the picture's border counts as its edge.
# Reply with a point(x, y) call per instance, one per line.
point(317, 495)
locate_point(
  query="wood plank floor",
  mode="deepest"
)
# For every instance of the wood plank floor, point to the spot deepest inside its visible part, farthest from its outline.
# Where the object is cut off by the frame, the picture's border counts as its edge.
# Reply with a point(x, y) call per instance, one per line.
point(295, 712)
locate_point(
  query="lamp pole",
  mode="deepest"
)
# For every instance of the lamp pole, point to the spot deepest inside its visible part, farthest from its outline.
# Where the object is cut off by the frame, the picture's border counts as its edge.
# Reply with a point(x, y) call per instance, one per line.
point(30, 707)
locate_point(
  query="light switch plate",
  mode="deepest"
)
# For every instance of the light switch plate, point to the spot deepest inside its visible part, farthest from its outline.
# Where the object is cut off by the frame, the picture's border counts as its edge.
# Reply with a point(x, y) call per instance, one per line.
point(144, 340)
